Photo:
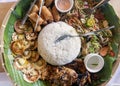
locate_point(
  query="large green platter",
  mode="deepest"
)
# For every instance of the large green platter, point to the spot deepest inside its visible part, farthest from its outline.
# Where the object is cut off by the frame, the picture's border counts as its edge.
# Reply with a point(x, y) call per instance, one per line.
point(18, 11)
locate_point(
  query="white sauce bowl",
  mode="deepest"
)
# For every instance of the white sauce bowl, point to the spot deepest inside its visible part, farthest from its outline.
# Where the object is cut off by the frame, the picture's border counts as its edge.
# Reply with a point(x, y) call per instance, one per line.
point(93, 62)
point(63, 11)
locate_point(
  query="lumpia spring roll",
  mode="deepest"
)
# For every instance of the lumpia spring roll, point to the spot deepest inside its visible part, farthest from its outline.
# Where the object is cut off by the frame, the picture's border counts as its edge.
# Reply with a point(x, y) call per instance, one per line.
point(45, 22)
point(34, 16)
point(33, 24)
point(55, 14)
point(48, 2)
point(35, 9)
point(38, 29)
point(38, 3)
point(47, 14)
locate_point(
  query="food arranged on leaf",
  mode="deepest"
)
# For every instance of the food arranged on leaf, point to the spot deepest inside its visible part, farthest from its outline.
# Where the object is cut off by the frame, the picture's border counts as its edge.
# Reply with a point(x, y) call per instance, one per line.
point(37, 55)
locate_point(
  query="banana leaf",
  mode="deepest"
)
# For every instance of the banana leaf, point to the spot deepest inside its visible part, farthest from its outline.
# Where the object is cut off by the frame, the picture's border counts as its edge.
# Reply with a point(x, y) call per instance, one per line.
point(105, 73)
point(16, 76)
point(19, 12)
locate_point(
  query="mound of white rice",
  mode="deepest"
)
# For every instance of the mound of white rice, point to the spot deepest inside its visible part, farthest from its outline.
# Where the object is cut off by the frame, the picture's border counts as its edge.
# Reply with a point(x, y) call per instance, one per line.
point(62, 52)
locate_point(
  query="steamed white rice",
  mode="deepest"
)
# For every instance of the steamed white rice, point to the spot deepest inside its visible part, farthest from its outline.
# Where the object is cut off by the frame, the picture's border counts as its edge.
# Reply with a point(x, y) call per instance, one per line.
point(62, 52)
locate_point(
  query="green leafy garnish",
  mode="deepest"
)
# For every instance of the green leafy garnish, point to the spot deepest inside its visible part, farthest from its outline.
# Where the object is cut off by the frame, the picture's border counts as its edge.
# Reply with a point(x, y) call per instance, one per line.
point(94, 64)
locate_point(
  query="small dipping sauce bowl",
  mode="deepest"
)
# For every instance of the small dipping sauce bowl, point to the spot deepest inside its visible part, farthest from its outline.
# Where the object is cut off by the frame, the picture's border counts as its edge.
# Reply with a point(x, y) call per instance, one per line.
point(64, 5)
point(93, 62)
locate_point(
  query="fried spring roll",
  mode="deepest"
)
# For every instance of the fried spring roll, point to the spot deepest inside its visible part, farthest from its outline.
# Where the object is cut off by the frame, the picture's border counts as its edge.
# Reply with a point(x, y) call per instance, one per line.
point(34, 16)
point(33, 24)
point(55, 14)
point(45, 22)
point(38, 29)
point(38, 3)
point(47, 14)
point(35, 9)
point(48, 2)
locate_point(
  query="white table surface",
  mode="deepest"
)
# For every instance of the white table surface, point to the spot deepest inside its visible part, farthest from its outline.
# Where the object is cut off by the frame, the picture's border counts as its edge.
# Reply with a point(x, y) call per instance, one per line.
point(4, 80)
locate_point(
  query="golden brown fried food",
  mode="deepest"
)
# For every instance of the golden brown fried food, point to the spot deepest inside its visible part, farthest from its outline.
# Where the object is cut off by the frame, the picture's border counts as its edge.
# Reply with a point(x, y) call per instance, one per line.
point(21, 29)
point(26, 54)
point(38, 3)
point(33, 45)
point(38, 29)
point(19, 46)
point(34, 56)
point(30, 75)
point(48, 2)
point(40, 64)
point(17, 27)
point(20, 63)
point(31, 36)
point(35, 9)
point(45, 22)
point(55, 14)
point(47, 14)
point(34, 16)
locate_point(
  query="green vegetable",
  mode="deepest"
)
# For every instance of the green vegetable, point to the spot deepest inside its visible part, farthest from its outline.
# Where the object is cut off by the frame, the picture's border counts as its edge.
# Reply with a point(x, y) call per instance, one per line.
point(91, 21)
point(93, 45)
point(105, 73)
point(95, 64)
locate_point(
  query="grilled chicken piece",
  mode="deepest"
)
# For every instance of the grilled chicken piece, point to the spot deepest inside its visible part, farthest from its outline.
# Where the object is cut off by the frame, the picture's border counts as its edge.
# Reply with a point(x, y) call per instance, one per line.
point(61, 76)
point(77, 65)
point(84, 79)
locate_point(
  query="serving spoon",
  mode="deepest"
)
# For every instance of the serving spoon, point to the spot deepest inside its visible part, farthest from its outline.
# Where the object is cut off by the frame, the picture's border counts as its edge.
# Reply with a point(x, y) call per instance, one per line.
point(91, 10)
point(82, 35)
